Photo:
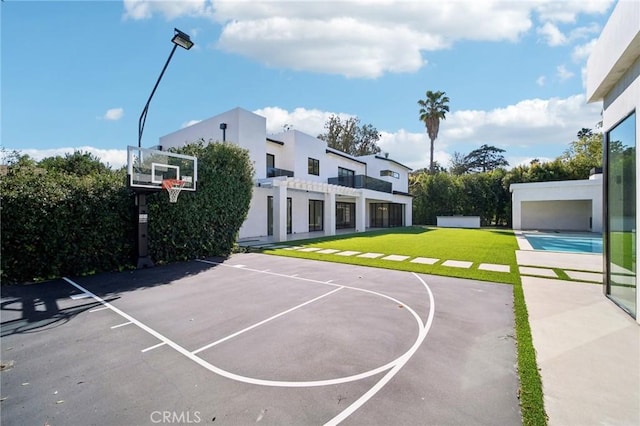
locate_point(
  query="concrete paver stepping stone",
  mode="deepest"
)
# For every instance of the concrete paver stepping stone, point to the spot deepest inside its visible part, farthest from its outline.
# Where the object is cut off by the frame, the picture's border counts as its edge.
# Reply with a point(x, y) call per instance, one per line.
point(293, 248)
point(457, 264)
point(273, 247)
point(370, 255)
point(424, 260)
point(585, 276)
point(396, 257)
point(328, 251)
point(528, 270)
point(494, 267)
point(347, 253)
point(310, 249)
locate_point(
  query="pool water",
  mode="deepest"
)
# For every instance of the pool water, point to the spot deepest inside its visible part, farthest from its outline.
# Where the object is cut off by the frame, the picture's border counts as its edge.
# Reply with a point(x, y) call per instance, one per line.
point(566, 243)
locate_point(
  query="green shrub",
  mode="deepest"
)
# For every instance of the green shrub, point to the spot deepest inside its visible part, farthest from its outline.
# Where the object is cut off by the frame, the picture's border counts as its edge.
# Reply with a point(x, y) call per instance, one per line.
point(58, 220)
point(205, 222)
point(56, 224)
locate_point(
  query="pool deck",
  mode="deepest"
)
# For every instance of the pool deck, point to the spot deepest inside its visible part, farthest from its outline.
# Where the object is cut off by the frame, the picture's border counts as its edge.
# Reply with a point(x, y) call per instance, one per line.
point(587, 348)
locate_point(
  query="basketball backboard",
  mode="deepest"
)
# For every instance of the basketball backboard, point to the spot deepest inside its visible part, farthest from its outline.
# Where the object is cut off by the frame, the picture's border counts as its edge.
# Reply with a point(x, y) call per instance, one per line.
point(148, 168)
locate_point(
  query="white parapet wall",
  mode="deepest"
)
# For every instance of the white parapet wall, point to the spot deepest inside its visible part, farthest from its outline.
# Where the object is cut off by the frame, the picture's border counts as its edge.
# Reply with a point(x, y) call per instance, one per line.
point(458, 221)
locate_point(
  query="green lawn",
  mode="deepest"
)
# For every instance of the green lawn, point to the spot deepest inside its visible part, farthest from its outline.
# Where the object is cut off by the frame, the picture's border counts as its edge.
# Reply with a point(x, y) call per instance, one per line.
point(472, 245)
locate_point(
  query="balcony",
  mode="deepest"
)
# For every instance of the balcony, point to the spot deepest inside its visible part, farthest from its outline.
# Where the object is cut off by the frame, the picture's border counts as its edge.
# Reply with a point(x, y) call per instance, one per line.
point(273, 172)
point(362, 181)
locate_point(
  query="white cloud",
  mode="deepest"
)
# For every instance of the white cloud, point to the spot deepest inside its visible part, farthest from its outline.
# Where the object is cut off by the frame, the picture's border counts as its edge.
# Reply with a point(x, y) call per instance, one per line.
point(566, 11)
point(310, 121)
point(552, 35)
point(189, 123)
point(113, 114)
point(540, 81)
point(145, 9)
point(563, 73)
point(116, 158)
point(367, 38)
point(533, 125)
point(582, 51)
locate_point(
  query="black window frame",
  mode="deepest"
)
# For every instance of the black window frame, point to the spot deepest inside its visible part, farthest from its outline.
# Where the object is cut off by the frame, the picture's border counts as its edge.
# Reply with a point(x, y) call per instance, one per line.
point(313, 166)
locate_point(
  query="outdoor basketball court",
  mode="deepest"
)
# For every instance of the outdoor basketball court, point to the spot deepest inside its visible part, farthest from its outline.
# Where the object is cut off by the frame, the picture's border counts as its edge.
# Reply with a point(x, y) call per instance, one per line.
point(259, 339)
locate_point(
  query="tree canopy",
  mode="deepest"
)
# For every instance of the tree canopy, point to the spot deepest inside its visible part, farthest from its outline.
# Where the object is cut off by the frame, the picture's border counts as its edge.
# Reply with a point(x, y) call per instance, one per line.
point(350, 136)
point(485, 158)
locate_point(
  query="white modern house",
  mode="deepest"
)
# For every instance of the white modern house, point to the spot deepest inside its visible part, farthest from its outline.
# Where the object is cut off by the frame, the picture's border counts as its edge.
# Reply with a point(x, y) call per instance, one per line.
point(613, 78)
point(302, 185)
point(571, 205)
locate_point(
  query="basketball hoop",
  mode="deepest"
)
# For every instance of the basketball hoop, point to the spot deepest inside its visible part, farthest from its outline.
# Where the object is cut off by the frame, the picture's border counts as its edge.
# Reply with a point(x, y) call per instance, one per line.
point(173, 187)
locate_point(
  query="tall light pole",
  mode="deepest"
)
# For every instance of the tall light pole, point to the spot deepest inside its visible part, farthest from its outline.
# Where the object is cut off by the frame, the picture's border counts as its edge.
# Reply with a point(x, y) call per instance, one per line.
point(144, 260)
point(179, 39)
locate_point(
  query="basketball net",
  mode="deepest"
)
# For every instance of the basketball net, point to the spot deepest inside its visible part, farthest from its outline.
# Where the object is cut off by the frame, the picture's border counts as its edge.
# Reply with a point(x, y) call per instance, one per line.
point(173, 187)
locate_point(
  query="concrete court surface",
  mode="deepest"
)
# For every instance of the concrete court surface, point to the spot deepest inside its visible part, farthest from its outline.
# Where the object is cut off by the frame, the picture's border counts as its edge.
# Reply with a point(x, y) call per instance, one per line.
point(588, 351)
point(259, 339)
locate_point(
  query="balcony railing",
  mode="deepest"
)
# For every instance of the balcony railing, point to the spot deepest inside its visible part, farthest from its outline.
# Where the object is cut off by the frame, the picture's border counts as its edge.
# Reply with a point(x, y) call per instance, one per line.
point(362, 181)
point(273, 172)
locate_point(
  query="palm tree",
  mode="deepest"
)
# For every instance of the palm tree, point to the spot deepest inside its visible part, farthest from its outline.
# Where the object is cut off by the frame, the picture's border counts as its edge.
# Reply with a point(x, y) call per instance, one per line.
point(432, 109)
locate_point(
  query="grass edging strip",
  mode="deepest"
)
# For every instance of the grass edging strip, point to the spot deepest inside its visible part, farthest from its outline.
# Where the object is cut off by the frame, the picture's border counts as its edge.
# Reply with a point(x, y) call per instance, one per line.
point(530, 392)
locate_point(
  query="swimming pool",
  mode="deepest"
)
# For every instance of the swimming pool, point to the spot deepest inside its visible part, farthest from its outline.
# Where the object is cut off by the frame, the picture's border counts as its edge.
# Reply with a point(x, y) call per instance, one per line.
point(565, 243)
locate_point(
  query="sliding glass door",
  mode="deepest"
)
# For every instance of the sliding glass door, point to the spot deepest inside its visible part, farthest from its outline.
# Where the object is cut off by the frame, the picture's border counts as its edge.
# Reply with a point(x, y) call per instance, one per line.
point(620, 213)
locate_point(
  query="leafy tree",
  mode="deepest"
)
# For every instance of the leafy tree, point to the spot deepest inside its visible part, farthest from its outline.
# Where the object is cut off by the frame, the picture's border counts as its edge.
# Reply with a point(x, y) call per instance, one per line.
point(458, 164)
point(79, 163)
point(485, 158)
point(351, 137)
point(433, 109)
point(584, 154)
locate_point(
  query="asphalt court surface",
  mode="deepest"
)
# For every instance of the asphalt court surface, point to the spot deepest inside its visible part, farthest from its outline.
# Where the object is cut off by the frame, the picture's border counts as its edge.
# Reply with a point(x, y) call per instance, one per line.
point(258, 339)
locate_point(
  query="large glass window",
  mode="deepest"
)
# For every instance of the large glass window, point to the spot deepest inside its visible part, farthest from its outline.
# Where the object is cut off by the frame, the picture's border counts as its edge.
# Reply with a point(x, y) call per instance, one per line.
point(345, 215)
point(270, 215)
point(314, 166)
point(316, 215)
point(386, 215)
point(620, 216)
point(346, 176)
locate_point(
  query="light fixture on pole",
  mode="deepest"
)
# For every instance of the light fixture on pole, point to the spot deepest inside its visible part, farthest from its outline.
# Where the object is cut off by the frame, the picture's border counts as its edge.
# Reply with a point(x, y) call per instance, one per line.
point(144, 259)
point(179, 39)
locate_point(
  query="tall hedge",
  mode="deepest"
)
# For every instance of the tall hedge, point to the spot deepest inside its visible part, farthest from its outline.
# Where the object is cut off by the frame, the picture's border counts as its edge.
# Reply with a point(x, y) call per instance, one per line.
point(205, 222)
point(56, 224)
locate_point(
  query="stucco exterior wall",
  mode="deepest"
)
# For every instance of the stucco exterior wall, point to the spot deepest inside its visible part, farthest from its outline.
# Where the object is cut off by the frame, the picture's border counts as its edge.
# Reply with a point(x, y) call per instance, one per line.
point(292, 149)
point(565, 205)
point(574, 215)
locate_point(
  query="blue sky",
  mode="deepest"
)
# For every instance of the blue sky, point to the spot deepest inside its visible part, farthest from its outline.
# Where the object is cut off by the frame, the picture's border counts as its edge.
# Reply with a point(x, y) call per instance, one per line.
point(76, 74)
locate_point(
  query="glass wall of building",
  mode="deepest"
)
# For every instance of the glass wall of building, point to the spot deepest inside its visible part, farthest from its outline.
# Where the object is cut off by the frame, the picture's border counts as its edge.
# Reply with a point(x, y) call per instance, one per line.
point(316, 215)
point(270, 215)
point(620, 214)
point(386, 215)
point(345, 215)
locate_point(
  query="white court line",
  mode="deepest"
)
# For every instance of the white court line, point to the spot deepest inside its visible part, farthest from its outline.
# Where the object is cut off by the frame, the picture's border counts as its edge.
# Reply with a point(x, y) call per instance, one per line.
point(210, 262)
point(154, 346)
point(98, 309)
point(387, 377)
point(79, 296)
point(121, 325)
point(218, 370)
point(394, 366)
point(231, 336)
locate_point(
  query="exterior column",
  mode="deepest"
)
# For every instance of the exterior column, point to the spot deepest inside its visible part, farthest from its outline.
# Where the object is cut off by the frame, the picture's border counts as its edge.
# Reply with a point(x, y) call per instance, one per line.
point(361, 214)
point(280, 213)
point(329, 213)
point(516, 215)
point(408, 213)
